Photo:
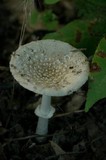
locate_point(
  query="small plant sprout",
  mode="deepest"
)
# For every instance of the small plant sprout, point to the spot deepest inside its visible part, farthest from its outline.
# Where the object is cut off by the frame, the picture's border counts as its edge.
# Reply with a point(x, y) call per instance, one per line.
point(50, 68)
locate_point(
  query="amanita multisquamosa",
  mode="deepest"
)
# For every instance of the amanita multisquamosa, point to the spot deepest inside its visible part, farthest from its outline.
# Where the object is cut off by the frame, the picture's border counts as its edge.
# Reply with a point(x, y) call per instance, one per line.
point(49, 68)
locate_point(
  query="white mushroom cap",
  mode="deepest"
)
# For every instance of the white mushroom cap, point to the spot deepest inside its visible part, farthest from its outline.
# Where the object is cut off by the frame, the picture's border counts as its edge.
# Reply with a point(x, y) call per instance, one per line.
point(49, 67)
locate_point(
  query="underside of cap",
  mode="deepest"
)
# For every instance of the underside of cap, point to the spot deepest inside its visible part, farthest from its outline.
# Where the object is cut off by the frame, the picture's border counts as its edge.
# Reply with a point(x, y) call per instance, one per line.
point(49, 67)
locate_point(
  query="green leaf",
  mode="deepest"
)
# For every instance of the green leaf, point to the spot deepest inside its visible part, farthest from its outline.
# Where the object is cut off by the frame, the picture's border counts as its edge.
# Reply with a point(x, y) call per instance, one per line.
point(97, 82)
point(33, 17)
point(91, 9)
point(79, 33)
point(49, 20)
point(51, 1)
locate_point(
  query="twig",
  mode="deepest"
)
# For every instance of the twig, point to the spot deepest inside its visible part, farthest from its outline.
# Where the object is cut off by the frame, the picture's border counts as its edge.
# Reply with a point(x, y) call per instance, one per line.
point(31, 136)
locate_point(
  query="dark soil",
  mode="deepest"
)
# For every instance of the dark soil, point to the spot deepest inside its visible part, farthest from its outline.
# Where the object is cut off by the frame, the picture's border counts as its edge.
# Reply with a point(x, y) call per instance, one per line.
point(76, 136)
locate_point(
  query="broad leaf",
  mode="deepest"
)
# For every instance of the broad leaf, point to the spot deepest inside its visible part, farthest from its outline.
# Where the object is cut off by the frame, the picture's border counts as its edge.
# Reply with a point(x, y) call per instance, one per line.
point(97, 82)
point(79, 33)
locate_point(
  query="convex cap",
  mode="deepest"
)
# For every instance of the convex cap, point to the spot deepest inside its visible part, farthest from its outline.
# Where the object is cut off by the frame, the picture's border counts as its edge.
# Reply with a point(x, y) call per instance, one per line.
point(49, 67)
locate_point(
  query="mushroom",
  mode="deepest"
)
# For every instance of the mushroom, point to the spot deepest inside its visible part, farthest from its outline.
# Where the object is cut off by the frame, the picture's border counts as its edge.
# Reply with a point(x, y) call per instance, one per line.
point(50, 68)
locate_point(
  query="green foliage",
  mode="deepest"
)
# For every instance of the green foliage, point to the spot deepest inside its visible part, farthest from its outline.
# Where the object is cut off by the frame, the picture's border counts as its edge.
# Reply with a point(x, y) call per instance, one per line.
point(46, 19)
point(79, 33)
point(90, 9)
point(86, 32)
point(97, 82)
point(33, 17)
point(50, 20)
point(51, 1)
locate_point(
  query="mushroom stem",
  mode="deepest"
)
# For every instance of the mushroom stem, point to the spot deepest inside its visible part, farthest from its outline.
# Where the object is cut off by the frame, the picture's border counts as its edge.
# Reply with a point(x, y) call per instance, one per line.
point(45, 105)
point(44, 112)
point(42, 126)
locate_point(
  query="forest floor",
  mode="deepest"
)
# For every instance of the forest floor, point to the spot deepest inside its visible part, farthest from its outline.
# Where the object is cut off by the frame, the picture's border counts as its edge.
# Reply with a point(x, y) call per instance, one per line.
point(73, 134)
